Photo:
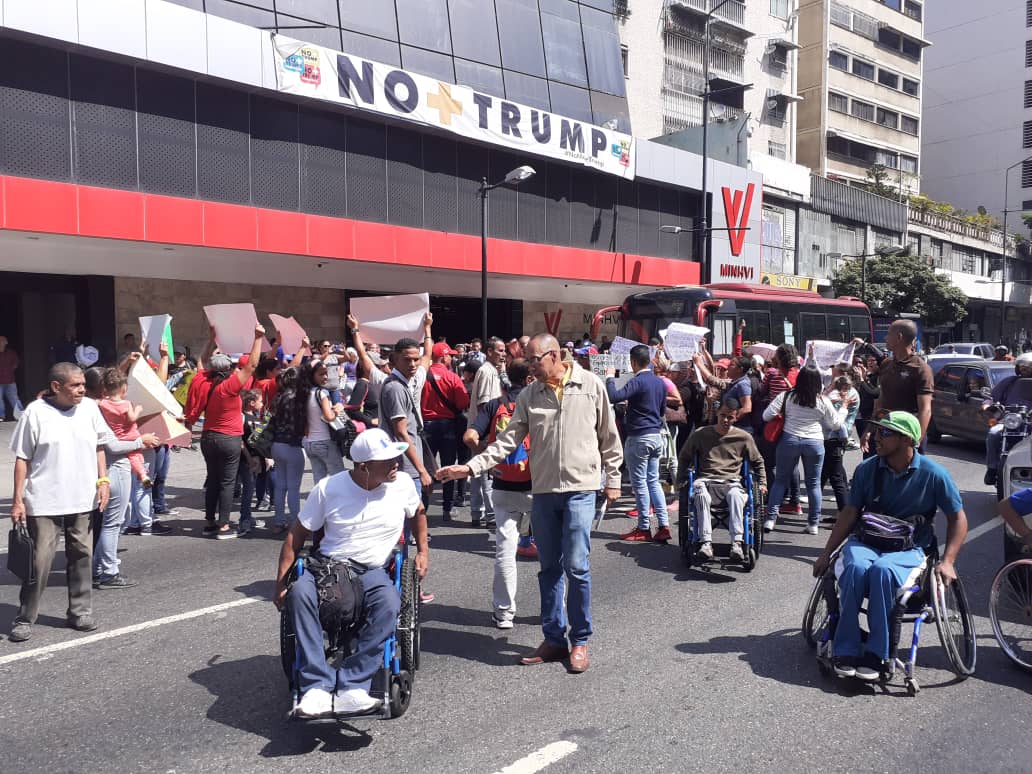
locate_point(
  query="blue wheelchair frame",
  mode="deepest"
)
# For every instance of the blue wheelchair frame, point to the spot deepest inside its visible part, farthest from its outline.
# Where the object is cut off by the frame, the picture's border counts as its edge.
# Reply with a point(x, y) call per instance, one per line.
point(752, 538)
point(393, 681)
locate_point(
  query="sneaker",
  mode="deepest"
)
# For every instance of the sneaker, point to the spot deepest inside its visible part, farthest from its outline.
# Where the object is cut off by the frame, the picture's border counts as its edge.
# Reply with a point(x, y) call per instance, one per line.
point(84, 623)
point(316, 703)
point(131, 530)
point(264, 505)
point(20, 632)
point(869, 669)
point(528, 551)
point(637, 535)
point(349, 701)
point(225, 533)
point(166, 512)
point(633, 513)
point(737, 553)
point(426, 597)
point(160, 528)
point(844, 666)
point(990, 478)
point(812, 529)
point(768, 526)
point(114, 582)
point(210, 527)
point(662, 535)
point(705, 551)
point(791, 509)
point(502, 623)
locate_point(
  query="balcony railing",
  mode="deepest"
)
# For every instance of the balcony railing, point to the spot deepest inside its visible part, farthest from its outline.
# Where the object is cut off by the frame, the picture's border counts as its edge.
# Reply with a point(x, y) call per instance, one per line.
point(953, 225)
point(683, 111)
point(733, 12)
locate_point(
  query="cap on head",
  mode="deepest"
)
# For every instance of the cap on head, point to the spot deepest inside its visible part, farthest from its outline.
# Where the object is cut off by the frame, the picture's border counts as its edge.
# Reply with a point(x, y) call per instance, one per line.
point(442, 348)
point(902, 422)
point(375, 445)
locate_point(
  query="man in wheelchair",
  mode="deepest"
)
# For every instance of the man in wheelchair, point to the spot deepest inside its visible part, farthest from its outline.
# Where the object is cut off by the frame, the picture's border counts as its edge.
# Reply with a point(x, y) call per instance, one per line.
point(718, 452)
point(362, 513)
point(882, 555)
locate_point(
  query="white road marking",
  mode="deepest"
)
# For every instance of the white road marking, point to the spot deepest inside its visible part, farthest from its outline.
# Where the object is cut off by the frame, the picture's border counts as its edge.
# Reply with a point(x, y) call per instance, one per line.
point(981, 529)
point(540, 759)
point(48, 650)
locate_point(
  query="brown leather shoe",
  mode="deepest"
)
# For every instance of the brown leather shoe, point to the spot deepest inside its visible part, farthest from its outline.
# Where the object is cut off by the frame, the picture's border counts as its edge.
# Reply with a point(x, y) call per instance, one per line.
point(545, 652)
point(579, 659)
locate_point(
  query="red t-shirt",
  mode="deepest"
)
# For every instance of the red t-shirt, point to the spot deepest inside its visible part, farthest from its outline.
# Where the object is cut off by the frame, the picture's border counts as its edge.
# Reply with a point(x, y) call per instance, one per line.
point(221, 407)
point(454, 390)
point(268, 388)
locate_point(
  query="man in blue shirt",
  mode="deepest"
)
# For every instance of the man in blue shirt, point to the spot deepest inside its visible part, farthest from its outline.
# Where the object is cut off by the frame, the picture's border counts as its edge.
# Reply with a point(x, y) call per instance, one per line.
point(901, 483)
point(645, 395)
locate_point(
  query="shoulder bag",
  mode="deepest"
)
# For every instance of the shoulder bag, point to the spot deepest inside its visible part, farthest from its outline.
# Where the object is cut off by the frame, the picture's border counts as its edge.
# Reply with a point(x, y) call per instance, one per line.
point(772, 430)
point(459, 418)
point(21, 552)
point(429, 458)
point(342, 430)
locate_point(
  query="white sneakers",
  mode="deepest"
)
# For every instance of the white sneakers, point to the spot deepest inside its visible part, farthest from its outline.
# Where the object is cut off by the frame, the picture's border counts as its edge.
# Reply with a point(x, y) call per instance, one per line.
point(737, 551)
point(349, 701)
point(316, 703)
point(768, 525)
point(811, 529)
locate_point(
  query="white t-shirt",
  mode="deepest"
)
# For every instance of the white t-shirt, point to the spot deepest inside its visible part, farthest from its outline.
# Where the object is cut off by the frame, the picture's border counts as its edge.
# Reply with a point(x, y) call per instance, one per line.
point(318, 430)
point(361, 525)
point(487, 385)
point(803, 421)
point(61, 448)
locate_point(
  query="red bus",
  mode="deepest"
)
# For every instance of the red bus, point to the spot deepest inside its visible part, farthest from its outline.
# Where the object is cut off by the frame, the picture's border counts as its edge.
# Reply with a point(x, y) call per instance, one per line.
point(772, 315)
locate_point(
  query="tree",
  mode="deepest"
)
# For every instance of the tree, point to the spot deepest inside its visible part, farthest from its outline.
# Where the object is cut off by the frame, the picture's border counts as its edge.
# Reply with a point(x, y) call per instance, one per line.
point(876, 177)
point(903, 283)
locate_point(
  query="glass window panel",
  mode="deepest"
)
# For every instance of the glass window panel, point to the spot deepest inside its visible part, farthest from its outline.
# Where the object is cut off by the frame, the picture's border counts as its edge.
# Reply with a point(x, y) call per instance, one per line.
point(566, 9)
point(526, 89)
point(309, 31)
point(317, 10)
point(564, 50)
point(430, 63)
point(480, 77)
point(863, 69)
point(911, 87)
point(888, 78)
point(424, 23)
point(378, 50)
point(570, 101)
point(607, 108)
point(520, 28)
point(602, 46)
point(474, 30)
point(252, 17)
point(372, 18)
point(838, 60)
point(602, 5)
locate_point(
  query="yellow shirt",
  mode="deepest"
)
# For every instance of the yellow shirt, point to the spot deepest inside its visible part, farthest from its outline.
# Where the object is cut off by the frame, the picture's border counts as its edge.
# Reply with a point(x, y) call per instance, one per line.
point(557, 387)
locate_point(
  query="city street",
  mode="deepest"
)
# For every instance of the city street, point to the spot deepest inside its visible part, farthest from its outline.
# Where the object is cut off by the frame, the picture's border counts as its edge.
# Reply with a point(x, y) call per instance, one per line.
point(691, 671)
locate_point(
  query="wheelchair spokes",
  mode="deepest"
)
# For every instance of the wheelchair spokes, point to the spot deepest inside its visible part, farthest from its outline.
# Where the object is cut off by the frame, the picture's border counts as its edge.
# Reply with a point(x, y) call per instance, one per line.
point(1010, 610)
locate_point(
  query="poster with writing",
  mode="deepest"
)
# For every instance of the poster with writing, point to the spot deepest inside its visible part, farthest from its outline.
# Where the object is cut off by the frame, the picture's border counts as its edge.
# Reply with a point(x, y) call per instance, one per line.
point(828, 353)
point(289, 333)
point(622, 346)
point(682, 341)
point(602, 363)
point(155, 329)
point(234, 327)
point(385, 319)
point(146, 389)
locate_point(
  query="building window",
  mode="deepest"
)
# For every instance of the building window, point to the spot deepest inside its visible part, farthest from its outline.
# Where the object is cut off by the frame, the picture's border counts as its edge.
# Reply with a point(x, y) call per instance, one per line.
point(839, 61)
point(779, 57)
point(1026, 135)
point(1026, 174)
point(912, 49)
point(776, 149)
point(908, 124)
point(779, 8)
point(863, 110)
point(841, 15)
point(886, 159)
point(1028, 53)
point(889, 38)
point(1028, 94)
point(623, 60)
point(912, 9)
point(1028, 13)
point(888, 78)
point(908, 164)
point(913, 87)
point(863, 69)
point(838, 102)
point(888, 118)
point(1027, 204)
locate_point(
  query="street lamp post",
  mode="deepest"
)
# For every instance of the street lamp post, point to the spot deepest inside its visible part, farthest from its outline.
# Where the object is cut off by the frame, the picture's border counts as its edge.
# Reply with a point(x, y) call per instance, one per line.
point(514, 178)
point(1003, 253)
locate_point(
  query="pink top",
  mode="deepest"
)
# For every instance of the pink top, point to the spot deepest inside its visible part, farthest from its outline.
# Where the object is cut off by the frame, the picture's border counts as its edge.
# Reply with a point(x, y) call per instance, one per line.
point(116, 413)
point(671, 388)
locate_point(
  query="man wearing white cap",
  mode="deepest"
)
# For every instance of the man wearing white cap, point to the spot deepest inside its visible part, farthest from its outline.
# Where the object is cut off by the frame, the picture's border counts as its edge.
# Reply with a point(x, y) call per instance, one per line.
point(363, 513)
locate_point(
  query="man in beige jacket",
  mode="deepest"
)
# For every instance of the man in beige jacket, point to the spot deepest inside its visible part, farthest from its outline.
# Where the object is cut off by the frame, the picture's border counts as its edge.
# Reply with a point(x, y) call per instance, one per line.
point(574, 450)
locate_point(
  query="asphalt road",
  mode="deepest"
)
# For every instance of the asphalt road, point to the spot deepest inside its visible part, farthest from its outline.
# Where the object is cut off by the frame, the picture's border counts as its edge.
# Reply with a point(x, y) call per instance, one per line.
point(691, 671)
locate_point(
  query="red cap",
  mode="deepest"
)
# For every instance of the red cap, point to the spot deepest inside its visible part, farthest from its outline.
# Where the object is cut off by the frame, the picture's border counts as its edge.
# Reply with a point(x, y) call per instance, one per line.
point(441, 349)
point(723, 362)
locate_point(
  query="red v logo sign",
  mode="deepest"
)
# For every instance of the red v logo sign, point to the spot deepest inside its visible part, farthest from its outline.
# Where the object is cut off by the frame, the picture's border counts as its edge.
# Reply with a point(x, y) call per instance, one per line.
point(552, 322)
point(732, 209)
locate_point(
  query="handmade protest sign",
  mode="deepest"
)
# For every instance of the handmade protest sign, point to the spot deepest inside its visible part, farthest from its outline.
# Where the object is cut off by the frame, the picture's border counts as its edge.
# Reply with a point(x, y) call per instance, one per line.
point(289, 332)
point(146, 389)
point(234, 327)
point(682, 341)
point(828, 353)
point(386, 319)
point(155, 329)
point(169, 430)
point(622, 346)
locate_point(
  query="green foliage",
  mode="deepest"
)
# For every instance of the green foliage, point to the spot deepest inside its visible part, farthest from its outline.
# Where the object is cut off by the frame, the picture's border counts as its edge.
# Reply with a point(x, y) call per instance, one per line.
point(1026, 218)
point(903, 283)
point(877, 174)
point(980, 219)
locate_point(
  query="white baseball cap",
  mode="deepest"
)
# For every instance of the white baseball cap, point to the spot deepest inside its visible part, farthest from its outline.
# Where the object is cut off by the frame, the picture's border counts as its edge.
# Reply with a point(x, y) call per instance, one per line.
point(374, 445)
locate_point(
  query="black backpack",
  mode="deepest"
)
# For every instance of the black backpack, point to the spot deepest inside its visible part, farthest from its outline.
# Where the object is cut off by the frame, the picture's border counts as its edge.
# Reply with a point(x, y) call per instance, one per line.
point(341, 598)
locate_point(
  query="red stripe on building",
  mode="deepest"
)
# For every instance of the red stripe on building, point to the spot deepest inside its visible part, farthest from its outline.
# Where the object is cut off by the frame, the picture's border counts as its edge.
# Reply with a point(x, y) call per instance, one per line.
point(65, 208)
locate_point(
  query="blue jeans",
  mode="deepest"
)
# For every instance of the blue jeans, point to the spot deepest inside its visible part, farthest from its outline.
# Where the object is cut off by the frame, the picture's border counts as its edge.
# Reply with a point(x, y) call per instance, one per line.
point(792, 448)
point(382, 603)
point(562, 531)
point(863, 572)
point(325, 458)
point(287, 474)
point(142, 515)
point(642, 453)
point(9, 394)
point(162, 460)
point(105, 552)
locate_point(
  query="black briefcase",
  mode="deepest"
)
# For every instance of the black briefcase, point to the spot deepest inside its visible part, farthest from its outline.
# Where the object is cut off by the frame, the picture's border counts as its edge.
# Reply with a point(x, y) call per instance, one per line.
point(21, 553)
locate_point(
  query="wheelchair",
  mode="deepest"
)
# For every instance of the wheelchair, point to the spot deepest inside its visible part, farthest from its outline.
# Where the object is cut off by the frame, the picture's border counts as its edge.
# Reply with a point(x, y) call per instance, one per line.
point(927, 600)
point(752, 537)
point(394, 680)
point(1010, 611)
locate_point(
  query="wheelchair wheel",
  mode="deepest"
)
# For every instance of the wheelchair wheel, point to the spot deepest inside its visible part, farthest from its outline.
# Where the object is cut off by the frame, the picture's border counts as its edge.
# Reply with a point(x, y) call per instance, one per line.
point(684, 539)
point(955, 623)
point(815, 619)
point(753, 552)
point(288, 648)
point(1010, 610)
point(408, 618)
point(399, 694)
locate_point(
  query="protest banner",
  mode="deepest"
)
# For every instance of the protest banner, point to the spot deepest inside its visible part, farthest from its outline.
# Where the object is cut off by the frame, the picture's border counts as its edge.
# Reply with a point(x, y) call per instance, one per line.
point(766, 351)
point(289, 333)
point(146, 389)
point(155, 329)
point(169, 430)
point(681, 341)
point(622, 346)
point(234, 327)
point(386, 319)
point(828, 353)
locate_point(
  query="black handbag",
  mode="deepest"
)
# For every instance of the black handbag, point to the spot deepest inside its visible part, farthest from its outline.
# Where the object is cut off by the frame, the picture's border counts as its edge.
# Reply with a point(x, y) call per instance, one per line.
point(21, 553)
point(885, 534)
